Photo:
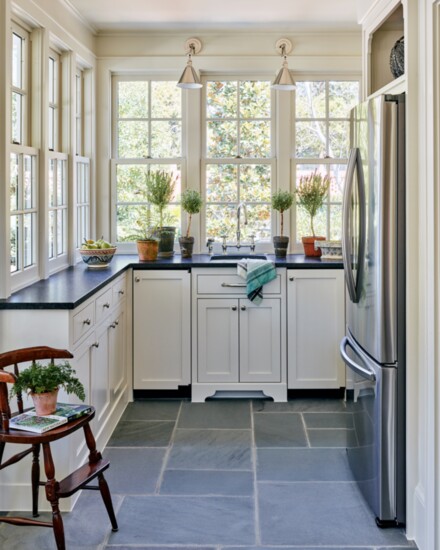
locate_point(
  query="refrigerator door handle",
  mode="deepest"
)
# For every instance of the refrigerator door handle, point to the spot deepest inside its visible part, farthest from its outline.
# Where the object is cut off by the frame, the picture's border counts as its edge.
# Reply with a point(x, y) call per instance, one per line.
point(354, 286)
point(365, 373)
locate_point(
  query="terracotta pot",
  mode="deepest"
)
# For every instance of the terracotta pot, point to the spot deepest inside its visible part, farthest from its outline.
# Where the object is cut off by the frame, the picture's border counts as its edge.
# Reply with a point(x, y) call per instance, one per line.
point(280, 245)
point(45, 403)
point(147, 250)
point(309, 246)
point(186, 246)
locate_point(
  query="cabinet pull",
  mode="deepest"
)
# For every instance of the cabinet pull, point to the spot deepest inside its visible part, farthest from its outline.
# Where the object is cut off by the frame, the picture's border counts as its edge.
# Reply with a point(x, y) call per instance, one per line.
point(121, 292)
point(107, 305)
point(234, 285)
point(113, 325)
point(116, 323)
point(87, 322)
point(243, 308)
point(234, 308)
point(136, 279)
point(95, 345)
point(291, 278)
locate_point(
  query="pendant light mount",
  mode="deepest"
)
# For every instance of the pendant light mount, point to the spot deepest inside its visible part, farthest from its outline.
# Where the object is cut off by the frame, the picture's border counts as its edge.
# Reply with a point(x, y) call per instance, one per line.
point(190, 79)
point(284, 80)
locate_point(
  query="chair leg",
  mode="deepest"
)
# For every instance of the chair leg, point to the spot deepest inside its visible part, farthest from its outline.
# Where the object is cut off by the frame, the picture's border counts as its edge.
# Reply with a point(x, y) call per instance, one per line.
point(35, 478)
point(52, 497)
point(94, 456)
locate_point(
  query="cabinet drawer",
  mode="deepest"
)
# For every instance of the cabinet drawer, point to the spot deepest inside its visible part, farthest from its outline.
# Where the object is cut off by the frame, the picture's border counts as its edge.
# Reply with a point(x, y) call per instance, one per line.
point(103, 305)
point(83, 321)
point(119, 290)
point(225, 284)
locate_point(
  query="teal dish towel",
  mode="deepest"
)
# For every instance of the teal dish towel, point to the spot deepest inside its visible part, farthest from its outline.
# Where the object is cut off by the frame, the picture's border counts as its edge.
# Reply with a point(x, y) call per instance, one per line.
point(256, 274)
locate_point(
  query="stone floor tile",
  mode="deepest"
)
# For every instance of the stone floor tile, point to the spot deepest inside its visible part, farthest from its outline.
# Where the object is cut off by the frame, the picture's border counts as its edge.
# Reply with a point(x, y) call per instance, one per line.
point(279, 430)
point(332, 438)
point(328, 420)
point(231, 414)
point(207, 482)
point(139, 433)
point(152, 410)
point(304, 404)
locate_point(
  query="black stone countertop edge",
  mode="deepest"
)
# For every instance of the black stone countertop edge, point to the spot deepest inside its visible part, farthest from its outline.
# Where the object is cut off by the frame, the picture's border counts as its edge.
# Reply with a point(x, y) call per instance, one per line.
point(73, 286)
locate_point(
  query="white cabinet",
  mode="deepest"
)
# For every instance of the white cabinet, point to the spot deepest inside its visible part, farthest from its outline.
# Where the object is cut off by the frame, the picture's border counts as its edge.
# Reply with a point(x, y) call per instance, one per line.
point(238, 346)
point(315, 313)
point(161, 329)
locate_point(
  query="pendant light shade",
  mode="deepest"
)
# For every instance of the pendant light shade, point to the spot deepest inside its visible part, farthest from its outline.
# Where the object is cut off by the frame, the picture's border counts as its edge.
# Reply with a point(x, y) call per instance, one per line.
point(284, 79)
point(190, 79)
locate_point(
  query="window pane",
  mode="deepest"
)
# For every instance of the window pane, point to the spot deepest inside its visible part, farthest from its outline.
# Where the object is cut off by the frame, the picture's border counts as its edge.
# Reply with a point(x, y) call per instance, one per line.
point(303, 223)
point(255, 139)
point(254, 99)
point(342, 97)
point(131, 183)
point(337, 175)
point(52, 95)
point(61, 227)
point(17, 60)
point(221, 220)
point(338, 139)
point(133, 139)
point(13, 187)
point(29, 181)
point(51, 233)
point(221, 99)
point(133, 99)
point(14, 240)
point(221, 183)
point(166, 139)
point(335, 222)
point(221, 139)
point(310, 99)
point(166, 100)
point(255, 180)
point(16, 122)
point(311, 139)
point(29, 231)
point(61, 183)
point(51, 129)
point(132, 221)
point(51, 177)
point(258, 216)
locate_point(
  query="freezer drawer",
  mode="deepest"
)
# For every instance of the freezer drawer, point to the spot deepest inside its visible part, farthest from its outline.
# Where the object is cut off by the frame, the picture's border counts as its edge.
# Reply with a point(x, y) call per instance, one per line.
point(373, 459)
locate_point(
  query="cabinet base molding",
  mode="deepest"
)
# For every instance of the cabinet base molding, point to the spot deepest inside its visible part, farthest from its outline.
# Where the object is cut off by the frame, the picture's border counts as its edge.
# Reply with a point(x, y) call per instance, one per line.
point(200, 392)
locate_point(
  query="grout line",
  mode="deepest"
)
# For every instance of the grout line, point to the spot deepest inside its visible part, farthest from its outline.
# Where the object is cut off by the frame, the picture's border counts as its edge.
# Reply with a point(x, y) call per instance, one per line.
point(305, 431)
point(167, 453)
point(254, 463)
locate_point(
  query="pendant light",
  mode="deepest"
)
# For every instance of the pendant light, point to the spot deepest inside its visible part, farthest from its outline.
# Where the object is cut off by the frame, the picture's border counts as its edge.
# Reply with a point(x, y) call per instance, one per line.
point(190, 79)
point(284, 79)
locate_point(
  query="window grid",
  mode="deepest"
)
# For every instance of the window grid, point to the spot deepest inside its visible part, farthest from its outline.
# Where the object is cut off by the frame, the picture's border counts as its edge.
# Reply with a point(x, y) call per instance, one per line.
point(82, 200)
point(57, 205)
point(79, 109)
point(54, 101)
point(20, 85)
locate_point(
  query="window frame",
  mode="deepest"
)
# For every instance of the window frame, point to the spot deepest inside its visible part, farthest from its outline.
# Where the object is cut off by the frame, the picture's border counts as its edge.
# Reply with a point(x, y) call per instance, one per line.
point(271, 160)
point(24, 90)
point(54, 101)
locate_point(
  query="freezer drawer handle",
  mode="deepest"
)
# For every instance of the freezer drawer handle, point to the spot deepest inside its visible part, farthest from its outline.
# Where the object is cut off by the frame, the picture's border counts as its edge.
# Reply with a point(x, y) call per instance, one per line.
point(357, 368)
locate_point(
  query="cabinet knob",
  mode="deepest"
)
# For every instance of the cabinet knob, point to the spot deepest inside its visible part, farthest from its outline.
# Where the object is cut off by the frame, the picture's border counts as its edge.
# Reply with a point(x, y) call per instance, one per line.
point(234, 308)
point(121, 292)
point(87, 322)
point(243, 308)
point(95, 345)
point(113, 325)
point(291, 278)
point(136, 279)
point(116, 323)
point(107, 305)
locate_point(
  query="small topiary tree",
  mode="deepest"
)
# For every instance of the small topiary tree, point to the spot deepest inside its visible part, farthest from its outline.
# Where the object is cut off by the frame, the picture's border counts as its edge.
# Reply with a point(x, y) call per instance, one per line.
point(282, 201)
point(191, 202)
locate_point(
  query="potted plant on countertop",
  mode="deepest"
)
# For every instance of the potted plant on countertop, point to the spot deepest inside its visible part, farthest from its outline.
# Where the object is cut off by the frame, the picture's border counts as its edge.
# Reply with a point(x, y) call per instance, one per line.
point(281, 201)
point(147, 242)
point(160, 190)
point(191, 202)
point(42, 383)
point(311, 193)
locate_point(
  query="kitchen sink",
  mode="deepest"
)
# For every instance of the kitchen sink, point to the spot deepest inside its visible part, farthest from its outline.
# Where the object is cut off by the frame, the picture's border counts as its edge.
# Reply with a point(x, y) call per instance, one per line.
point(234, 258)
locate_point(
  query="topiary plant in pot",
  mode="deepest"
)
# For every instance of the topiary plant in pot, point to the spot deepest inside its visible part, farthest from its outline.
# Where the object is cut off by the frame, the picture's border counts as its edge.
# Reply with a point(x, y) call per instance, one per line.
point(160, 190)
point(281, 201)
point(191, 202)
point(311, 193)
point(42, 382)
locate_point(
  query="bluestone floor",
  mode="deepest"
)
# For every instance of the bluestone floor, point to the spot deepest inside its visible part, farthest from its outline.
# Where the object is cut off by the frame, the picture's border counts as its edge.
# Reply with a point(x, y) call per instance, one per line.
point(238, 475)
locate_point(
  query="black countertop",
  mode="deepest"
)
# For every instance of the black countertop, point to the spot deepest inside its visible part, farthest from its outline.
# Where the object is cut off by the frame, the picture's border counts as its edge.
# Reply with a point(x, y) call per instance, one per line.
point(70, 287)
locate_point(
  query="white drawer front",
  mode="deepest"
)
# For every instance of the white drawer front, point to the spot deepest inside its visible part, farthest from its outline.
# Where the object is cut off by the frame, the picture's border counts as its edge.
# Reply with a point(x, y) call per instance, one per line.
point(103, 305)
point(119, 290)
point(231, 284)
point(83, 321)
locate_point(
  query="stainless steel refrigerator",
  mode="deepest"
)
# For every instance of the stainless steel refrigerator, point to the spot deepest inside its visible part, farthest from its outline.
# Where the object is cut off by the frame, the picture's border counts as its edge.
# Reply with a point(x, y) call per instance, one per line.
point(374, 263)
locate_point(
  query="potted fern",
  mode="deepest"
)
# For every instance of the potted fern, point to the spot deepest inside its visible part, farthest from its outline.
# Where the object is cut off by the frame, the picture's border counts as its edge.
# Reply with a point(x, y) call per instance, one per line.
point(42, 383)
point(311, 193)
point(160, 190)
point(145, 234)
point(281, 201)
point(191, 202)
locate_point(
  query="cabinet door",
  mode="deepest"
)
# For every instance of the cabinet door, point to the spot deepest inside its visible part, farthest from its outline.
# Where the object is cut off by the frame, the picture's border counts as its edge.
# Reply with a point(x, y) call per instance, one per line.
point(260, 341)
point(99, 378)
point(161, 329)
point(217, 340)
point(117, 355)
point(315, 321)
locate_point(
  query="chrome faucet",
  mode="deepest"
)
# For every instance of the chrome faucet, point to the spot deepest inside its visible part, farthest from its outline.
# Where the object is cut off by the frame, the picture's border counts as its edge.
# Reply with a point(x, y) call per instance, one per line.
point(239, 207)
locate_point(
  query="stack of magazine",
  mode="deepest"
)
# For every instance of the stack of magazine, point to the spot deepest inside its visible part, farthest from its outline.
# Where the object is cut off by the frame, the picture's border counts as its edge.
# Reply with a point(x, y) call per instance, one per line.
point(31, 422)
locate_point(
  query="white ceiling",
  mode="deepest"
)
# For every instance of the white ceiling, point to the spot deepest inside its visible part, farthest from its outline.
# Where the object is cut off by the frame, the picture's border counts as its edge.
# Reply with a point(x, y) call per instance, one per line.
point(164, 15)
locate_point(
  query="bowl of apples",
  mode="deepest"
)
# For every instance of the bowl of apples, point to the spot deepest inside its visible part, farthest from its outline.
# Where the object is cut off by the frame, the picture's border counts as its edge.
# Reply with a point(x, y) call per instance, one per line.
point(97, 254)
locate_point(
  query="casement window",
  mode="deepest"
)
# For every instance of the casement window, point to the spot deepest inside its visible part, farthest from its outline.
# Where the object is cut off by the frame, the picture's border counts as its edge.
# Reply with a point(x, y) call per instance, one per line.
point(20, 86)
point(147, 132)
point(238, 161)
point(322, 110)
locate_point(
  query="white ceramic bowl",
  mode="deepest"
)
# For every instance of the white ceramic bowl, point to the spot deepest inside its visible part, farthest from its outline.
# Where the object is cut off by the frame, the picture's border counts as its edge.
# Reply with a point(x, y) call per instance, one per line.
point(98, 258)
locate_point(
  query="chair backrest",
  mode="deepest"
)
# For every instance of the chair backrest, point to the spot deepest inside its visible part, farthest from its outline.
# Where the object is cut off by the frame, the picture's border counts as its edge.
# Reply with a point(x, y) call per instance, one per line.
point(13, 359)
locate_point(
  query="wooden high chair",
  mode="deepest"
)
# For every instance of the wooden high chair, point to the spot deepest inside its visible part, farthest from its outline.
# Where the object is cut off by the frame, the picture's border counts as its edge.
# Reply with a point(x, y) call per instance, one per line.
point(55, 490)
